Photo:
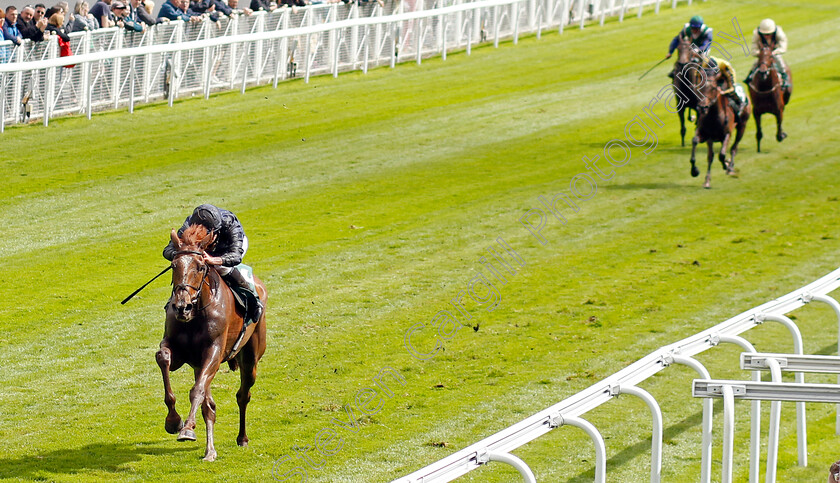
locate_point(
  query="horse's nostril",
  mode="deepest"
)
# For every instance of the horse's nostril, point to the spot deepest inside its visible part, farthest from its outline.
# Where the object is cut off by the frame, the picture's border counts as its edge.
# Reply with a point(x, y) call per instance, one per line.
point(188, 308)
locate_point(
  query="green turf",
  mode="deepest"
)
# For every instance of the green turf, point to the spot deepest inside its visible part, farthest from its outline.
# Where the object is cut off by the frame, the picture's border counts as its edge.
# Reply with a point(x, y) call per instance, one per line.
point(368, 200)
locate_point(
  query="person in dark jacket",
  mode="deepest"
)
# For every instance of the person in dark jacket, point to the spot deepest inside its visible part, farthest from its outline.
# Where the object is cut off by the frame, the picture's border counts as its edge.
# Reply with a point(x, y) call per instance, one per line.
point(177, 10)
point(267, 5)
point(101, 11)
point(121, 13)
point(29, 29)
point(139, 13)
point(55, 26)
point(226, 252)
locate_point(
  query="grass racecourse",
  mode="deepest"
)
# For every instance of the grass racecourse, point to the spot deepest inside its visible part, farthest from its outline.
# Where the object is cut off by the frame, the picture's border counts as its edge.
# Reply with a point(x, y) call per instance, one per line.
point(368, 201)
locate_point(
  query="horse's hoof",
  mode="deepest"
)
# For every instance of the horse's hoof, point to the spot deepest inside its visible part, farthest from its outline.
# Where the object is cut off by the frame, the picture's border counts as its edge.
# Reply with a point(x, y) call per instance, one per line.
point(210, 456)
point(173, 427)
point(695, 172)
point(242, 442)
point(186, 435)
point(781, 137)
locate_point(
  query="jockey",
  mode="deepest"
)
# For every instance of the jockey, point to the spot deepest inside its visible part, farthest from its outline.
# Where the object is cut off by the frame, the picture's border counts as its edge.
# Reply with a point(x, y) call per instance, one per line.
point(697, 32)
point(768, 34)
point(726, 82)
point(226, 252)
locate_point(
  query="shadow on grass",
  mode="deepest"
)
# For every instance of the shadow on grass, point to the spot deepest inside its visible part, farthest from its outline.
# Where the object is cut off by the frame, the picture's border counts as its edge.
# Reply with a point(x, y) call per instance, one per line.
point(110, 458)
point(651, 186)
point(693, 421)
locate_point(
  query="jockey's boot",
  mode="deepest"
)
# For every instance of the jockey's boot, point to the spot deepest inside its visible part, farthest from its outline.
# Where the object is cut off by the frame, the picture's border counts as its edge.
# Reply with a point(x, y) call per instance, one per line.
point(671, 74)
point(235, 278)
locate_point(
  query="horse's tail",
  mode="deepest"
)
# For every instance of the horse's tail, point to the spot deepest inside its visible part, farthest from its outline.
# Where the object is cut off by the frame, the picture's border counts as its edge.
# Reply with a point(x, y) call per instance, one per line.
point(233, 364)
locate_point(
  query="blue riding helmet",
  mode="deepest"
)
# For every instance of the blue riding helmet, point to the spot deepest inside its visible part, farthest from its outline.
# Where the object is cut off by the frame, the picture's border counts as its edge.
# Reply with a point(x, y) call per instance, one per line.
point(209, 216)
point(696, 22)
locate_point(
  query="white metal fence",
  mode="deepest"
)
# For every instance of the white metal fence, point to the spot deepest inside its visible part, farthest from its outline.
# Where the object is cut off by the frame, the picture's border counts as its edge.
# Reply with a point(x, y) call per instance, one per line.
point(113, 68)
point(569, 411)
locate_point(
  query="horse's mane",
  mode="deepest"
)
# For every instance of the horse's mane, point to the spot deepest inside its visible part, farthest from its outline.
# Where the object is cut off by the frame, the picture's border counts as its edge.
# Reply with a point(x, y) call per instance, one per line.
point(193, 235)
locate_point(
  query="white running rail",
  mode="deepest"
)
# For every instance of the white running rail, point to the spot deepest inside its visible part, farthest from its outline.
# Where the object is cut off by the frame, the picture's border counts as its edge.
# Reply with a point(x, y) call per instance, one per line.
point(573, 408)
point(115, 68)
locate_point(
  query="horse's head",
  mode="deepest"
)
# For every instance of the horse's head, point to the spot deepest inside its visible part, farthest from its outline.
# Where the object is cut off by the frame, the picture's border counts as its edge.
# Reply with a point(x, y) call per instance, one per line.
point(765, 61)
point(684, 51)
point(189, 272)
point(710, 93)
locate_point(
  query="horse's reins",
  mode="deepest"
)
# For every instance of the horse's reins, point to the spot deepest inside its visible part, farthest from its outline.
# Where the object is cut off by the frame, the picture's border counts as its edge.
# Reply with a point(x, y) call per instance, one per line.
point(185, 286)
point(775, 86)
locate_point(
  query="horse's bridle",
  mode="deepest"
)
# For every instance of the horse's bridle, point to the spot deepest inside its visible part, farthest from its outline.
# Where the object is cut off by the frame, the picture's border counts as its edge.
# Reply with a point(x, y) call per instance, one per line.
point(767, 71)
point(205, 269)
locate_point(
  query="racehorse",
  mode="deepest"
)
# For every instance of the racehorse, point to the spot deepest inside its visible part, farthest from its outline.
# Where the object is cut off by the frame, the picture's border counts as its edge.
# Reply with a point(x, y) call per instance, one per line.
point(767, 95)
point(686, 55)
point(715, 121)
point(203, 325)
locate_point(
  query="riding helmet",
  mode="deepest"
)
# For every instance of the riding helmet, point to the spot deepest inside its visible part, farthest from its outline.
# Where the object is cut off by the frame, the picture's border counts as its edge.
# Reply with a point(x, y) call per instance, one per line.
point(696, 22)
point(767, 26)
point(209, 216)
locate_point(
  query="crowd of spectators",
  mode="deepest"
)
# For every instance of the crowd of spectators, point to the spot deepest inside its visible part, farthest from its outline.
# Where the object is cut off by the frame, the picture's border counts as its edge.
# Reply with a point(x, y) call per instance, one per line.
point(38, 23)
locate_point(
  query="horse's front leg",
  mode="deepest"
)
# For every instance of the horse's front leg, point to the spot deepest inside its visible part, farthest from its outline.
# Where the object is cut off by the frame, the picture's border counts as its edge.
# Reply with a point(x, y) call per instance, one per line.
point(694, 171)
point(203, 377)
point(681, 112)
point(164, 359)
point(208, 410)
point(758, 133)
point(711, 158)
point(780, 134)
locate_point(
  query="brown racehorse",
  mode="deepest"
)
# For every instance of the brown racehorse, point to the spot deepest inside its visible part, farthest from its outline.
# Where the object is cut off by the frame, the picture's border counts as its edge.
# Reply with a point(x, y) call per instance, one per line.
point(686, 55)
point(202, 325)
point(767, 95)
point(715, 122)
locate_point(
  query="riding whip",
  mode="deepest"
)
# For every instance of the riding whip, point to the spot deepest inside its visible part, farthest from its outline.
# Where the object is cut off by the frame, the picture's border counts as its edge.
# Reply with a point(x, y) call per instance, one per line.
point(144, 285)
point(657, 64)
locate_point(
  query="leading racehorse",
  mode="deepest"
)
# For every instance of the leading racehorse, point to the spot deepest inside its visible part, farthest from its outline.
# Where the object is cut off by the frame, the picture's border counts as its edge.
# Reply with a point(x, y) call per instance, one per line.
point(767, 95)
point(715, 122)
point(203, 328)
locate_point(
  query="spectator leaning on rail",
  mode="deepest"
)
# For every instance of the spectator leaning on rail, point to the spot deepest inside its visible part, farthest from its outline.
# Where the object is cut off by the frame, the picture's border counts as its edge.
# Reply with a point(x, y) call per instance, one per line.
point(234, 5)
point(203, 7)
point(55, 26)
point(28, 28)
point(176, 10)
point(120, 11)
point(267, 5)
point(139, 14)
point(101, 12)
point(83, 19)
point(10, 30)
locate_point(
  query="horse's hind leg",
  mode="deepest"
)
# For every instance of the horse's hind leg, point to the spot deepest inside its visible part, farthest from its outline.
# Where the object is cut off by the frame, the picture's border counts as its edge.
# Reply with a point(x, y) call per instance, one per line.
point(248, 359)
point(164, 360)
point(208, 410)
point(248, 376)
point(740, 128)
